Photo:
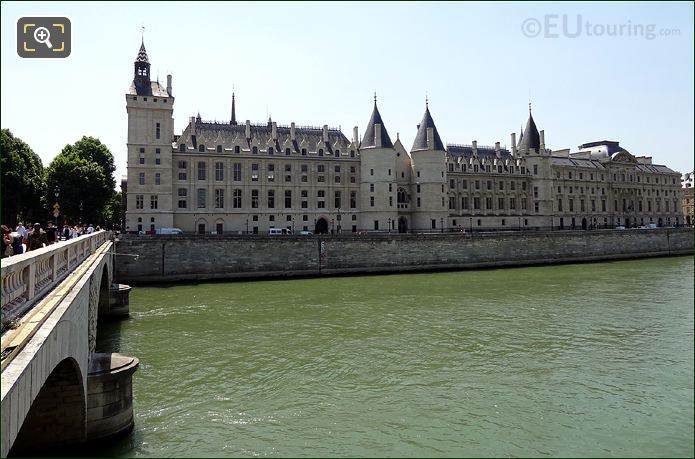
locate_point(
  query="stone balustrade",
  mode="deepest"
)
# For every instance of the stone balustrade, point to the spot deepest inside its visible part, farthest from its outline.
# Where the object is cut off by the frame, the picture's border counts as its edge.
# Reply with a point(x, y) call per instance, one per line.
point(26, 278)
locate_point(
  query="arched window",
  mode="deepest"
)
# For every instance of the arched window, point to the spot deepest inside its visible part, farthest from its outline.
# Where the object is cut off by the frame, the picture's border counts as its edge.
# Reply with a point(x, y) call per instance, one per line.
point(182, 147)
point(320, 151)
point(271, 150)
point(201, 148)
point(337, 153)
point(255, 150)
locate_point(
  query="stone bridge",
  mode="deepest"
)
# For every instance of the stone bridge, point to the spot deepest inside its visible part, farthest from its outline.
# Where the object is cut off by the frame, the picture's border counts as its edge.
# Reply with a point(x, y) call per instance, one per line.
point(52, 299)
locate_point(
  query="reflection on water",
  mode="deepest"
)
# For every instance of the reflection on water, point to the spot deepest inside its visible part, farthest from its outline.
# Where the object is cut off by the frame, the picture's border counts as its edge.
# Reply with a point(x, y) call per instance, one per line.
point(588, 360)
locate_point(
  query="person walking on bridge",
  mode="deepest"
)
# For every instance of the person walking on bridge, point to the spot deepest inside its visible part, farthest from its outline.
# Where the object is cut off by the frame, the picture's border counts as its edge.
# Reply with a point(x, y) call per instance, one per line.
point(37, 238)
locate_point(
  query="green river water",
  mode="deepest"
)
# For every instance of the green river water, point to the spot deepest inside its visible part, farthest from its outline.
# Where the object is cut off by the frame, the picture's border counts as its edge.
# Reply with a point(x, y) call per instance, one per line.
point(572, 360)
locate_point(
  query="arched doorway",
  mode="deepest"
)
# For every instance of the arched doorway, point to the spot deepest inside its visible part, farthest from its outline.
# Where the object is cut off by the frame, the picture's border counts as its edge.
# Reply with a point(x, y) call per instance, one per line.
point(584, 223)
point(321, 226)
point(402, 225)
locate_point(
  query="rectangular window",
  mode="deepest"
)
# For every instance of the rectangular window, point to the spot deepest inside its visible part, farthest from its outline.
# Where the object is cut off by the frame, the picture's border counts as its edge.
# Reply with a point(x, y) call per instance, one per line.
point(603, 205)
point(142, 159)
point(571, 205)
point(236, 198)
point(254, 172)
point(288, 199)
point(371, 201)
point(477, 184)
point(559, 205)
point(476, 203)
point(153, 201)
point(500, 203)
point(237, 172)
point(535, 169)
point(581, 205)
point(337, 200)
point(464, 203)
point(157, 178)
point(254, 199)
point(489, 184)
point(139, 200)
point(219, 171)
point(219, 198)
point(141, 178)
point(157, 131)
point(182, 176)
point(271, 199)
point(271, 172)
point(535, 207)
point(512, 203)
point(353, 199)
point(202, 197)
point(183, 165)
point(488, 203)
point(157, 156)
point(535, 191)
point(201, 170)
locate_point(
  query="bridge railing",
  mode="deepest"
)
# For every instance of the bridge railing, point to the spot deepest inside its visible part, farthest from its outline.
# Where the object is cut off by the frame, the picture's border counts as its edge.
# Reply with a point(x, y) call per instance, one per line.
point(26, 278)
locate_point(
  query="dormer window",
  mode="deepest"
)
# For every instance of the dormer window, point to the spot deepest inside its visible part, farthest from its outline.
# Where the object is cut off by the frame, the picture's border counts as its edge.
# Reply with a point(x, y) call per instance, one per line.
point(219, 149)
point(182, 147)
point(237, 149)
point(320, 151)
point(201, 148)
point(271, 151)
point(287, 152)
point(254, 150)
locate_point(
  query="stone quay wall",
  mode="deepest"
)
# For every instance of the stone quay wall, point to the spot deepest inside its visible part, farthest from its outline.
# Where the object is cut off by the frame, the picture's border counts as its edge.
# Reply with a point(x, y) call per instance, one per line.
point(198, 257)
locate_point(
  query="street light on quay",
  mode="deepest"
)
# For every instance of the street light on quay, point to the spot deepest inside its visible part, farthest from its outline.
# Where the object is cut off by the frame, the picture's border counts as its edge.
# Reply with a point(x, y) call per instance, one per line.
point(247, 226)
point(441, 221)
point(389, 225)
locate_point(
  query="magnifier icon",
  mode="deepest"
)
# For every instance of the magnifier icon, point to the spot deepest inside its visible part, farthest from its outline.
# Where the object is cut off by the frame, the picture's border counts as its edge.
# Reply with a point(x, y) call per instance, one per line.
point(42, 35)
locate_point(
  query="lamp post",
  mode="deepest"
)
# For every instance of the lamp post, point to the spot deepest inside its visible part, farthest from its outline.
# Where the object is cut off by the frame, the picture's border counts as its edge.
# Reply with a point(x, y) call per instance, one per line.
point(340, 222)
point(293, 224)
point(247, 226)
point(471, 221)
point(441, 221)
point(389, 225)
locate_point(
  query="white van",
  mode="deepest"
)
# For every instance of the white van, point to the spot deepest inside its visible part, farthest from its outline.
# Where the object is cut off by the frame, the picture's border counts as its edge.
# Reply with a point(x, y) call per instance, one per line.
point(169, 231)
point(278, 231)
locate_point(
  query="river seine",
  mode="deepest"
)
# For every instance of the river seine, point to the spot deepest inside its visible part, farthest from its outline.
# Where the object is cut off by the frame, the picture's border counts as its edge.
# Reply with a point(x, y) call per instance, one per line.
point(572, 360)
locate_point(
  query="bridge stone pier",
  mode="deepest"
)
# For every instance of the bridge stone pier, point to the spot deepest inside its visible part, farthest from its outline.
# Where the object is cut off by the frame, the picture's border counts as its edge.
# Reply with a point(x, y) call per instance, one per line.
point(52, 299)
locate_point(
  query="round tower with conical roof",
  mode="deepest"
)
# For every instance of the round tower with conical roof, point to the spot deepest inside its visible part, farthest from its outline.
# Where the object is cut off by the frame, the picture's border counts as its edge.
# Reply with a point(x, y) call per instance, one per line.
point(428, 197)
point(378, 211)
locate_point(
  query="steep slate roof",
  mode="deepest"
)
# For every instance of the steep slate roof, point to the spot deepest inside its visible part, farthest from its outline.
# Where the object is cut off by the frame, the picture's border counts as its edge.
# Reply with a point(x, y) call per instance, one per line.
point(531, 139)
point(421, 137)
point(154, 89)
point(368, 140)
point(212, 134)
point(466, 151)
point(142, 54)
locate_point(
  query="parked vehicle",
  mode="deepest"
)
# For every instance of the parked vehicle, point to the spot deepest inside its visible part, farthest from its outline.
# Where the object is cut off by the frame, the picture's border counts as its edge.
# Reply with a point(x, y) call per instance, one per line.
point(278, 231)
point(169, 231)
point(306, 233)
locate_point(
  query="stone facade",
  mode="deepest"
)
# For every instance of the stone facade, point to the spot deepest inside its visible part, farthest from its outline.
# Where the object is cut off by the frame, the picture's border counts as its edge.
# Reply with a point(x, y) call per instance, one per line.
point(230, 257)
point(233, 178)
point(688, 200)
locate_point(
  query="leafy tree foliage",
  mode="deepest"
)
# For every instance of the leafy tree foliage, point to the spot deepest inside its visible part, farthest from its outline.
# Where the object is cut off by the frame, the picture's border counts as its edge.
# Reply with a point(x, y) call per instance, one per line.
point(113, 212)
point(22, 180)
point(84, 187)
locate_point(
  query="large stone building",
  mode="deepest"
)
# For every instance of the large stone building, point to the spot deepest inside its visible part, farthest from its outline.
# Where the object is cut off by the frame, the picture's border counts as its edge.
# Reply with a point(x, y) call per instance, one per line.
point(688, 201)
point(244, 177)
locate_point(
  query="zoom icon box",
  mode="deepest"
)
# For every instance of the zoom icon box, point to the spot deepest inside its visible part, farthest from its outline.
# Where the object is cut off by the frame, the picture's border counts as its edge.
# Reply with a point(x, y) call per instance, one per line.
point(43, 37)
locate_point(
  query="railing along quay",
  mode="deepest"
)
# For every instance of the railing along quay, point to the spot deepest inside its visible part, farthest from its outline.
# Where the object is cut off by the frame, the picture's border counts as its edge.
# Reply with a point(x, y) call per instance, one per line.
point(26, 278)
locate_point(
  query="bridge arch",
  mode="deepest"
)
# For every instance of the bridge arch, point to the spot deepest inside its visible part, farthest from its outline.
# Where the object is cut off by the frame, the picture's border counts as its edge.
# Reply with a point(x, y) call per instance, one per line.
point(57, 415)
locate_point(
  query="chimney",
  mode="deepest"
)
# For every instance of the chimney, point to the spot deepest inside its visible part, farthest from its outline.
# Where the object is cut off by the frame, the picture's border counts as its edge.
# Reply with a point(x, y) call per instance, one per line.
point(275, 130)
point(497, 149)
point(514, 143)
point(169, 90)
point(377, 135)
point(355, 137)
point(475, 148)
point(248, 129)
point(293, 135)
point(325, 133)
point(430, 138)
point(542, 135)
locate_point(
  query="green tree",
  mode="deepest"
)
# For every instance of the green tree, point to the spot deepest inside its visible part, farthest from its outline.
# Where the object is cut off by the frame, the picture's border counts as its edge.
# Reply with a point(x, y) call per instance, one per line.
point(23, 181)
point(83, 172)
point(84, 188)
point(113, 212)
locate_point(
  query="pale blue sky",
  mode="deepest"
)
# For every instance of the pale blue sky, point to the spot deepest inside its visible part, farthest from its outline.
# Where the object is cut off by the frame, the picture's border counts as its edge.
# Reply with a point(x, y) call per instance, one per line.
point(320, 63)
